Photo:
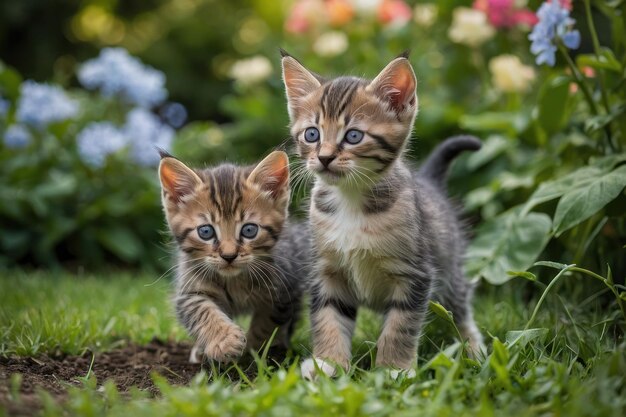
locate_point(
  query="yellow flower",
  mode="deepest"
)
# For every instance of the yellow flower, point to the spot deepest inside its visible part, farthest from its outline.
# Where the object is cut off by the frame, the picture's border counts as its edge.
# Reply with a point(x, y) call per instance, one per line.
point(510, 75)
point(470, 27)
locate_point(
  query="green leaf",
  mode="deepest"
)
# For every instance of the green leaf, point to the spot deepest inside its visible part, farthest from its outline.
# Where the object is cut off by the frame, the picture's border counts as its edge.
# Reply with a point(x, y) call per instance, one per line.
point(553, 109)
point(522, 337)
point(494, 121)
point(587, 199)
point(508, 242)
point(492, 147)
point(550, 264)
point(121, 242)
point(522, 274)
point(574, 180)
point(441, 311)
point(606, 60)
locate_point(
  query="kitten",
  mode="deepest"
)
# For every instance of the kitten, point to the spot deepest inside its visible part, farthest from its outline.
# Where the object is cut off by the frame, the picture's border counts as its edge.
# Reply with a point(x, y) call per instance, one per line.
point(385, 237)
point(236, 253)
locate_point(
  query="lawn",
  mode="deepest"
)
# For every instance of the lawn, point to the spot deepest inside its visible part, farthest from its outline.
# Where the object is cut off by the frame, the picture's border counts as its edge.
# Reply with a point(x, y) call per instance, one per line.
point(570, 362)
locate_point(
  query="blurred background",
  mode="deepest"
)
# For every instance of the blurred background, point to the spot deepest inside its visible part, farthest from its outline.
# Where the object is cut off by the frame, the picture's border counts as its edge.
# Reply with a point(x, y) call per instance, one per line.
point(88, 89)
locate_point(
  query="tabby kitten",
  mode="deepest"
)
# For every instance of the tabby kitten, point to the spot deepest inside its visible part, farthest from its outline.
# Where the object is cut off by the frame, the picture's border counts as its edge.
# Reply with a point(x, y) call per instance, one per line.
point(385, 237)
point(236, 253)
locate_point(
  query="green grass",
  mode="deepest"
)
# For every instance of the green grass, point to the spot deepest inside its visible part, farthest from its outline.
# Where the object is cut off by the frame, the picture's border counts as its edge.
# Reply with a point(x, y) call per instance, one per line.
point(574, 366)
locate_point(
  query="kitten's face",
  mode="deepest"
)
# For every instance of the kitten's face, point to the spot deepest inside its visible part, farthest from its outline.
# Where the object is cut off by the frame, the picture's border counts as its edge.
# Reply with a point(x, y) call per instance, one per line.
point(349, 130)
point(227, 217)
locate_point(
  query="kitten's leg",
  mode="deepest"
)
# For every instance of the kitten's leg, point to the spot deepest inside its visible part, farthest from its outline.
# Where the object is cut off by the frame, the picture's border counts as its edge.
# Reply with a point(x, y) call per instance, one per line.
point(458, 299)
point(333, 315)
point(265, 320)
point(397, 344)
point(217, 336)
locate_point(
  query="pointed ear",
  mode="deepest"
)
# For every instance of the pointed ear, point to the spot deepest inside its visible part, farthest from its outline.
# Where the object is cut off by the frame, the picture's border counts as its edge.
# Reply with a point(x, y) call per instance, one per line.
point(177, 180)
point(396, 85)
point(272, 174)
point(298, 80)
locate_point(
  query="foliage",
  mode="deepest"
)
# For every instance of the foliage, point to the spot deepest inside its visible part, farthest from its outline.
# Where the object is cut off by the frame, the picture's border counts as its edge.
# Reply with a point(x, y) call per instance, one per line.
point(77, 185)
point(562, 360)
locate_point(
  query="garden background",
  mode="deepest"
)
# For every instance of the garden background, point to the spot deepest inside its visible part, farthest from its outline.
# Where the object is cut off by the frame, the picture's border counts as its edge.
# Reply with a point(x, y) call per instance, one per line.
point(89, 89)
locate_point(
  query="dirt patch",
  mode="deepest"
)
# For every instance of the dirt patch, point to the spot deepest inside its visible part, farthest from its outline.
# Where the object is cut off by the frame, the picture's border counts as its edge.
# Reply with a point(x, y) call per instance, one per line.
point(130, 366)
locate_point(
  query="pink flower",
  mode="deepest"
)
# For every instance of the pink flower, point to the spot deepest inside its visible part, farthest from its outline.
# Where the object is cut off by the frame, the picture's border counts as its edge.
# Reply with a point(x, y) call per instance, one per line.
point(505, 13)
point(394, 12)
point(305, 14)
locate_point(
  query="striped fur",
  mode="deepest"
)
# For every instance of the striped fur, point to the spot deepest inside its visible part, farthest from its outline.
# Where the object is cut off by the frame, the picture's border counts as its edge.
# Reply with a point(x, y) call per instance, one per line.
point(266, 275)
point(385, 237)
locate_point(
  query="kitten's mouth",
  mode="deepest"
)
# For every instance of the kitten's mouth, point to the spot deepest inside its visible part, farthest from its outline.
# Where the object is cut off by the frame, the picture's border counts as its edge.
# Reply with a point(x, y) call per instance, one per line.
point(328, 173)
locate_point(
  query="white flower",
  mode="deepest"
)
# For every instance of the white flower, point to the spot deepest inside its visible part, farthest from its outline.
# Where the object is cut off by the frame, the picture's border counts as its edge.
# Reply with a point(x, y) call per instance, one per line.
point(331, 44)
point(367, 6)
point(510, 75)
point(16, 136)
point(99, 140)
point(251, 70)
point(425, 14)
point(146, 134)
point(470, 27)
point(115, 71)
point(42, 104)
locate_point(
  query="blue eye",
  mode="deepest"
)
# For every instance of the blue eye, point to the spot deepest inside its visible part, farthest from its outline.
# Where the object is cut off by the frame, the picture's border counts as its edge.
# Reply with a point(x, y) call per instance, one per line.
point(249, 230)
point(206, 232)
point(353, 136)
point(311, 134)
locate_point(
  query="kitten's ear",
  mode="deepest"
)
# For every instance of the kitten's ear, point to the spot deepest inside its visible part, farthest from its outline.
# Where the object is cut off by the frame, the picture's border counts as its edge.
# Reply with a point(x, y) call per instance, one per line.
point(396, 85)
point(298, 80)
point(177, 180)
point(272, 174)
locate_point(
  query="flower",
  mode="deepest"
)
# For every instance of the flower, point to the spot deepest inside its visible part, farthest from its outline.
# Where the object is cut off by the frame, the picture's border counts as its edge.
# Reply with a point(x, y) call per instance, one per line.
point(510, 75)
point(146, 134)
point(42, 104)
point(367, 6)
point(17, 136)
point(4, 107)
point(506, 13)
point(175, 114)
point(395, 13)
point(99, 140)
point(304, 14)
point(425, 14)
point(115, 71)
point(554, 25)
point(470, 27)
point(331, 44)
point(339, 12)
point(251, 70)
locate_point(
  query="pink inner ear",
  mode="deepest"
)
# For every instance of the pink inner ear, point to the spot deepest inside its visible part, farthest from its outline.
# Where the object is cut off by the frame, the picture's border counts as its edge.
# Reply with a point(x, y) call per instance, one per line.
point(402, 89)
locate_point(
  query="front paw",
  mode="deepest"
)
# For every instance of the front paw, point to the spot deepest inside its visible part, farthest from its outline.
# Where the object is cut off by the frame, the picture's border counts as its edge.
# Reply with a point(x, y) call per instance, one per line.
point(227, 345)
point(311, 367)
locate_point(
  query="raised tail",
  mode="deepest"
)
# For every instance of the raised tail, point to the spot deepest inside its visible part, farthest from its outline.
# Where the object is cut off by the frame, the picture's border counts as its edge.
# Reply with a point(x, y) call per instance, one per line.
point(436, 165)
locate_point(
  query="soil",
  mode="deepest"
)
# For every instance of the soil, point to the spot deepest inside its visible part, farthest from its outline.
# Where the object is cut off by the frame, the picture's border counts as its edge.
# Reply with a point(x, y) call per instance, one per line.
point(128, 367)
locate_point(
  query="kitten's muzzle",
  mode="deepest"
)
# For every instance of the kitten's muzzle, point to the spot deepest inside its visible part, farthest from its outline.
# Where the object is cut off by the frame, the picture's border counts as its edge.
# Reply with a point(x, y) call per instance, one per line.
point(326, 159)
point(228, 257)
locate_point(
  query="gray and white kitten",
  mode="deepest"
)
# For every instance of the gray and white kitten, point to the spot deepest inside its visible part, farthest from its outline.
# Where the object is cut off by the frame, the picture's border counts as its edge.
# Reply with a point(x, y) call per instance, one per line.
point(385, 236)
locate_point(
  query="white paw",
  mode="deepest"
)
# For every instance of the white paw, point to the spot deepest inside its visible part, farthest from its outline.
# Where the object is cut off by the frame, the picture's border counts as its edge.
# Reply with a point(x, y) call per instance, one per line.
point(312, 366)
point(196, 355)
point(395, 373)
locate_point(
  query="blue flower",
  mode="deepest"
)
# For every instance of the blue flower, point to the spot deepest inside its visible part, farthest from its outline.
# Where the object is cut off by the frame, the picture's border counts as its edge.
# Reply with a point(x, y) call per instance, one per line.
point(146, 133)
point(554, 24)
point(99, 140)
point(17, 136)
point(174, 114)
point(4, 107)
point(115, 72)
point(42, 104)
